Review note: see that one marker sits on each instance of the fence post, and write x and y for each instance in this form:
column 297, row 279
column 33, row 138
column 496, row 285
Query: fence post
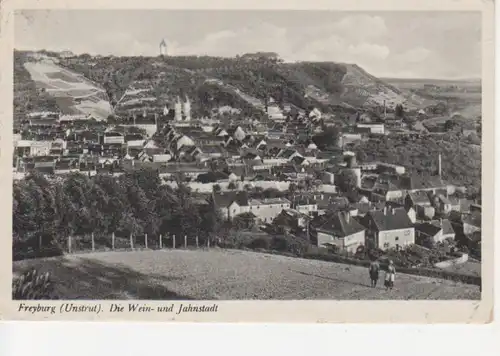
column 113, row 240
column 196, row 241
column 185, row 241
column 131, row 242
column 93, row 242
column 173, row 242
column 69, row 243
column 208, row 242
column 146, row 240
column 39, row 242
column 161, row 243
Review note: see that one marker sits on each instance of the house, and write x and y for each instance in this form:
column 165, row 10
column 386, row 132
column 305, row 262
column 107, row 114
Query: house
column 447, row 228
column 373, row 128
column 410, row 211
column 305, row 205
column 390, row 168
column 443, row 204
column 223, row 200
column 390, row 228
column 113, row 137
column 66, row 166
column 135, row 140
column 436, row 230
column 265, row 210
column 289, row 154
column 88, row 168
column 475, row 208
column 33, row 148
column 291, row 220
column 342, row 231
column 472, row 223
column 328, row 177
column 455, row 203
column 421, row 204
column 425, row 232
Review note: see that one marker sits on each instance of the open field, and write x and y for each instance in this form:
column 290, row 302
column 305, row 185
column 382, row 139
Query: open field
column 226, row 274
column 462, row 96
column 411, row 83
column 65, row 86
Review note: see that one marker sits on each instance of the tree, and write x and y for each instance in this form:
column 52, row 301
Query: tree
column 232, row 186
column 244, row 221
column 209, row 177
column 347, row 180
column 399, row 111
column 216, row 188
column 450, row 125
column 211, row 219
column 328, row 139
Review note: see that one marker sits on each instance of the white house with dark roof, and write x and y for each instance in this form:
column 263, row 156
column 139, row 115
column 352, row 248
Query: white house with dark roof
column 266, row 210
column 342, row 231
column 390, row 228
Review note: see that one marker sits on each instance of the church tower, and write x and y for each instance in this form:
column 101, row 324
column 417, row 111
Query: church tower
column 163, row 48
column 178, row 110
column 187, row 109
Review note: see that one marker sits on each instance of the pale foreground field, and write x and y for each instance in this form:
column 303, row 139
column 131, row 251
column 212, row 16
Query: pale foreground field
column 226, row 274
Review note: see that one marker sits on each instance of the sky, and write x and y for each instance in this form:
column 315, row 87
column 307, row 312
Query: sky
column 440, row 45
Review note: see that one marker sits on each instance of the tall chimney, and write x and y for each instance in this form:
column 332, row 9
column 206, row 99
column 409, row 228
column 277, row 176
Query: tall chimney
column 385, row 210
column 439, row 165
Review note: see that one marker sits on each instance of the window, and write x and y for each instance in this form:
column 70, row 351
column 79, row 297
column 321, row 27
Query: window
column 281, row 205
column 234, row 211
column 397, row 238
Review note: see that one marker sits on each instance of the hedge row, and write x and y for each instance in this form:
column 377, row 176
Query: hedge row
column 18, row 255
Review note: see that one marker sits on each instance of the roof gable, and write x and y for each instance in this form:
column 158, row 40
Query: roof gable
column 390, row 219
column 342, row 225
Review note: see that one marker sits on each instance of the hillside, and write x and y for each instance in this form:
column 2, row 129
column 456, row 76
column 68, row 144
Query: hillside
column 27, row 97
column 327, row 85
column 461, row 162
column 226, row 275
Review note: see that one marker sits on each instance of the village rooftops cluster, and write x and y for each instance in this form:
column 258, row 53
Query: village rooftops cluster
column 236, row 159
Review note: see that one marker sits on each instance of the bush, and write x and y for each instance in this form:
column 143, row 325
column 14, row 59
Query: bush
column 291, row 244
column 32, row 285
column 260, row 243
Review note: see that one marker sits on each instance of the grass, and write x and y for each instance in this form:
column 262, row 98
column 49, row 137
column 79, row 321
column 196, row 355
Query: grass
column 225, row 275
column 470, row 268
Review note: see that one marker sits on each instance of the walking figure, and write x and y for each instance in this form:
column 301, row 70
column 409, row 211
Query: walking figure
column 389, row 276
column 374, row 272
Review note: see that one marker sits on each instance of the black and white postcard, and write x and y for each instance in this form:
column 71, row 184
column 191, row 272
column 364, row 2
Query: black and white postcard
column 246, row 162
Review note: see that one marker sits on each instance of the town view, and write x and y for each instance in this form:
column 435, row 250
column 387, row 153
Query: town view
column 167, row 173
